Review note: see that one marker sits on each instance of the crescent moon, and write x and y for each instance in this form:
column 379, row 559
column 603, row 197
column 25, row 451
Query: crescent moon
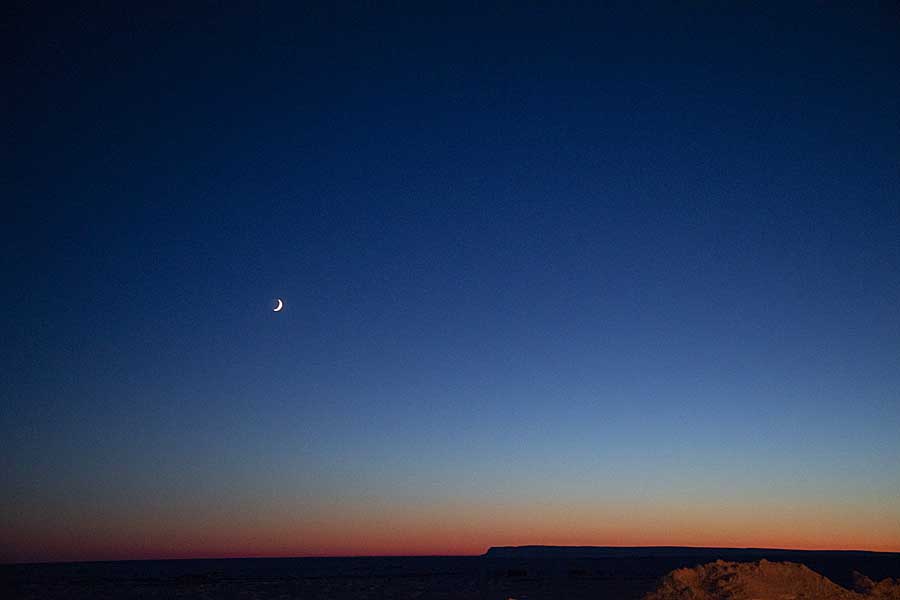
column 280, row 305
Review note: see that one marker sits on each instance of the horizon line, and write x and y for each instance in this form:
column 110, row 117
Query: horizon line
column 481, row 555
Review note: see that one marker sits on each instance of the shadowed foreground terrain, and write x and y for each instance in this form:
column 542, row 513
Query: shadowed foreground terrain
column 529, row 573
column 765, row 580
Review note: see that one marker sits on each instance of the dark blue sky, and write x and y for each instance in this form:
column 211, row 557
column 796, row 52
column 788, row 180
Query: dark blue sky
column 571, row 256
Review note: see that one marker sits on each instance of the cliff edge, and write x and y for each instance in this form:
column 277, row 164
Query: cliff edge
column 764, row 580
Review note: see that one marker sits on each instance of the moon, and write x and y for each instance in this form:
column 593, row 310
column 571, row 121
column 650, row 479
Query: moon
column 279, row 306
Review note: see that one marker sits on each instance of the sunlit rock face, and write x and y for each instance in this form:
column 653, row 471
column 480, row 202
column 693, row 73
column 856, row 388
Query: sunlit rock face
column 887, row 589
column 765, row 580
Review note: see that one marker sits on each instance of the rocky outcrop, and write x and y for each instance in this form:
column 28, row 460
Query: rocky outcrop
column 886, row 589
column 765, row 580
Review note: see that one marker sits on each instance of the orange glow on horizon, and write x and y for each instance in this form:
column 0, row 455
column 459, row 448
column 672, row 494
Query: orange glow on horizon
column 435, row 531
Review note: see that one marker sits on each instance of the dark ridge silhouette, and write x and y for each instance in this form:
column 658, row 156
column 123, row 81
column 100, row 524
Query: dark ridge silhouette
column 669, row 552
column 622, row 574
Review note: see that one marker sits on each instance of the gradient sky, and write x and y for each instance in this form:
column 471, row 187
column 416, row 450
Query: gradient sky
column 584, row 276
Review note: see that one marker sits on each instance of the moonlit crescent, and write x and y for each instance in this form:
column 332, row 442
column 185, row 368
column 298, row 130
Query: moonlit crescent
column 279, row 307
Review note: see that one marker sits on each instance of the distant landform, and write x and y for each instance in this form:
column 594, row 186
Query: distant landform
column 568, row 552
column 535, row 572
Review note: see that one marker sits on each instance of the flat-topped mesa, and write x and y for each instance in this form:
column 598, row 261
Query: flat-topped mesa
column 601, row 551
column 706, row 553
